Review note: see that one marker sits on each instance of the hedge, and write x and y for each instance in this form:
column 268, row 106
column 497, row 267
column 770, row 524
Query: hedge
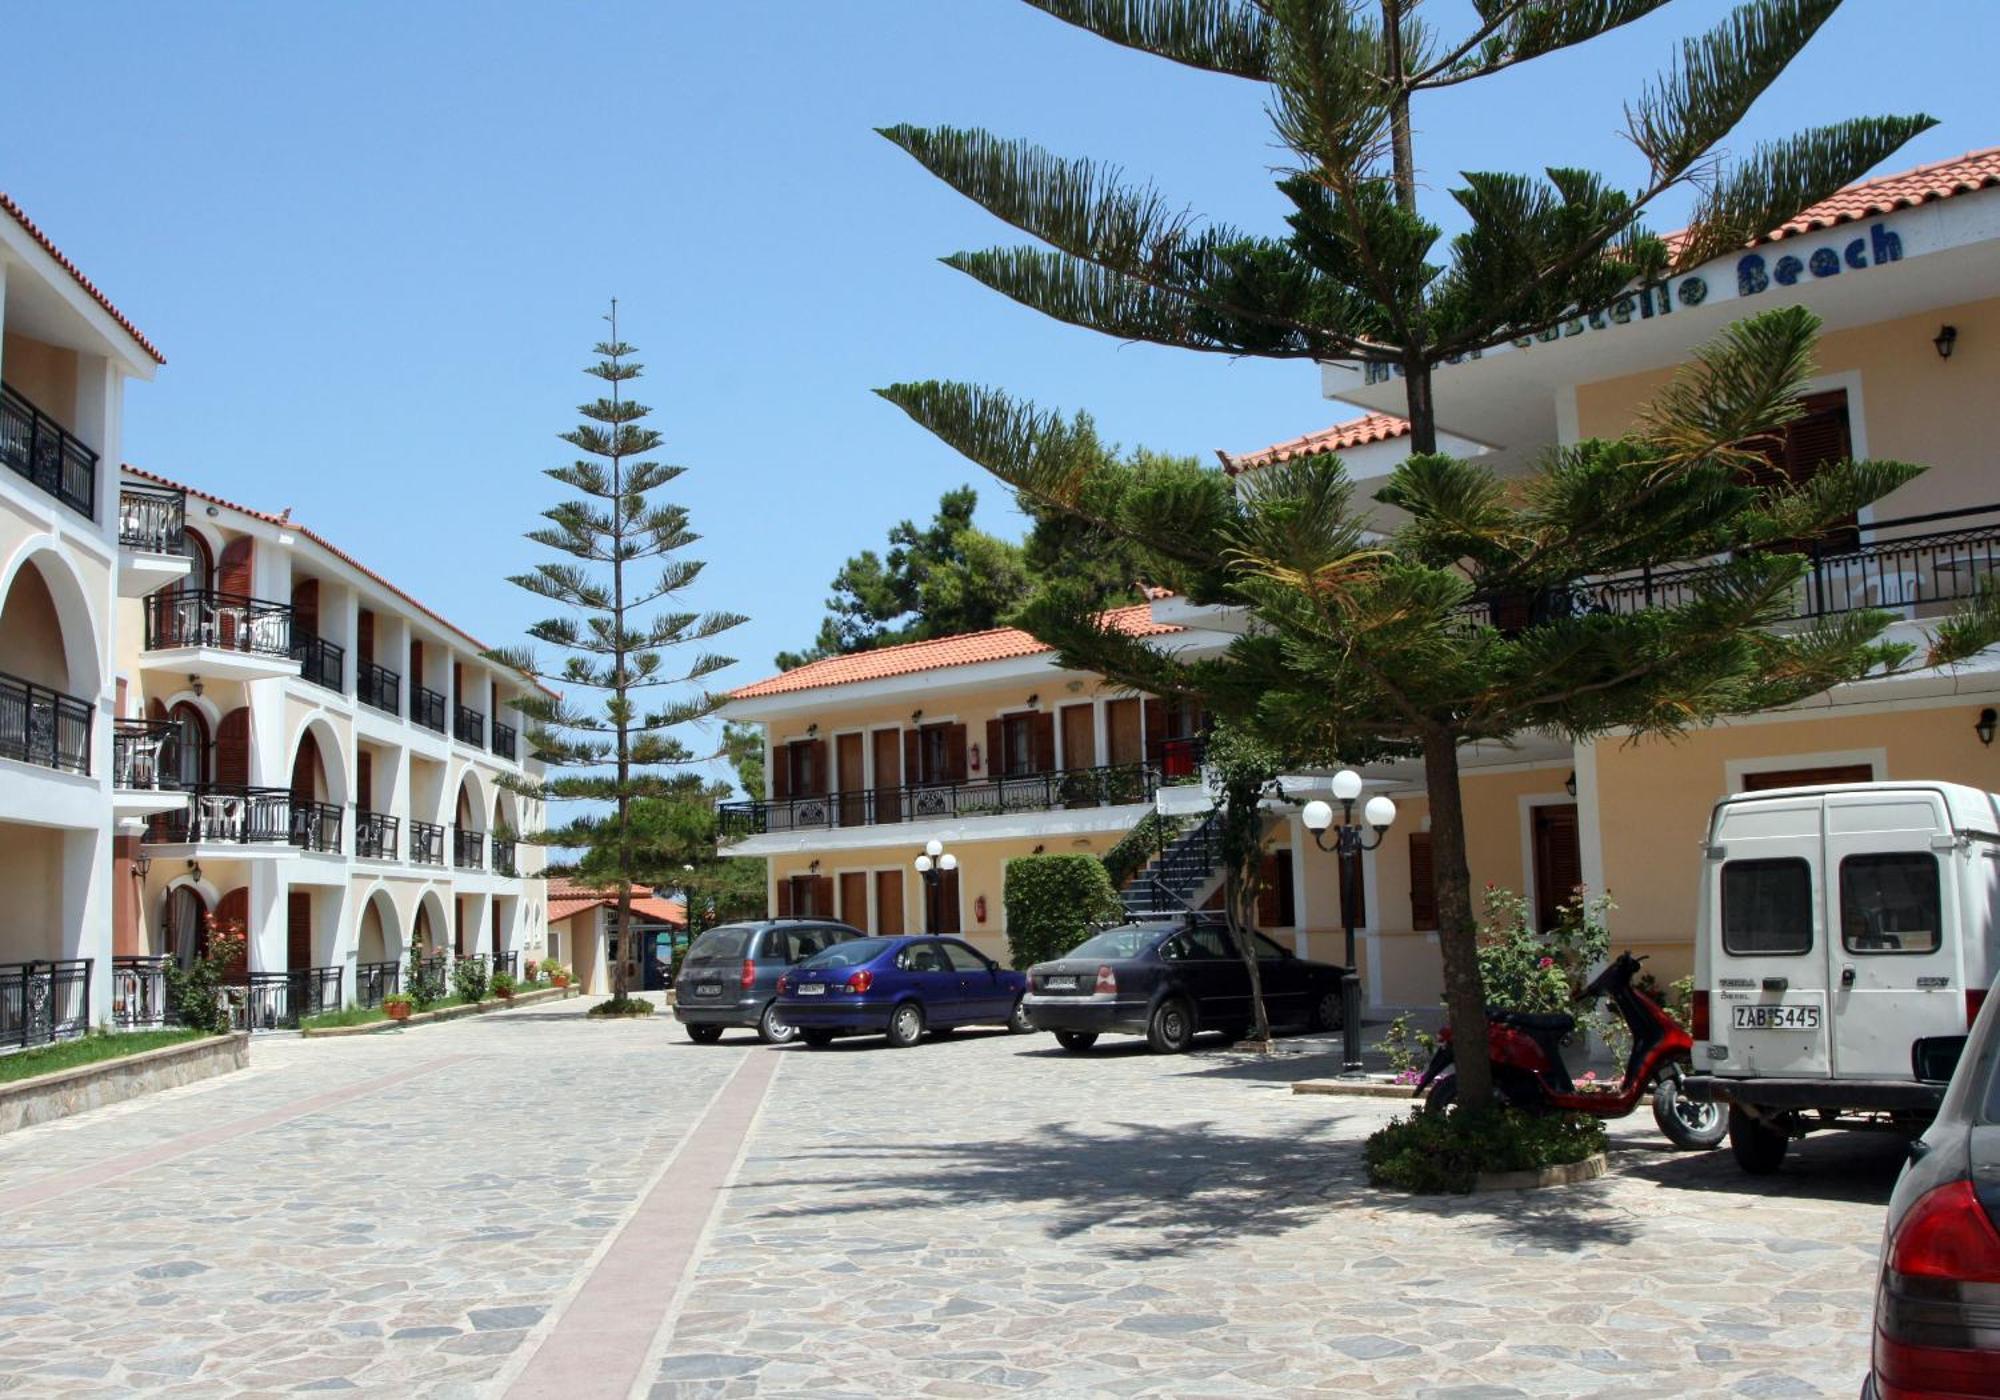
column 1140, row 845
column 1054, row 903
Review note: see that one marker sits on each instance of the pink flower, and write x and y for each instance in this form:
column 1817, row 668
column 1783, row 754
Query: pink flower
column 1590, row 1076
column 1547, row 962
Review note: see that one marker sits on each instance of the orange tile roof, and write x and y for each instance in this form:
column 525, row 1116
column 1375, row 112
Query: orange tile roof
column 939, row 653
column 1975, row 170
column 567, row 897
column 1355, row 432
column 48, row 245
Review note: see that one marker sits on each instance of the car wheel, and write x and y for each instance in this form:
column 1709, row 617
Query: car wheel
column 818, row 1040
column 1687, row 1123
column 906, row 1025
column 1327, row 1012
column 1076, row 1040
column 704, row 1035
column 1018, row 1022
column 1171, row 1027
column 774, row 1029
column 1759, row 1147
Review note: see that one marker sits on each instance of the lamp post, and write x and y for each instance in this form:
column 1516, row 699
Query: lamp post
column 1349, row 841
column 932, row 865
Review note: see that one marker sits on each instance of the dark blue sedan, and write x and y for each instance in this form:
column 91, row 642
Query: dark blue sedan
column 900, row 987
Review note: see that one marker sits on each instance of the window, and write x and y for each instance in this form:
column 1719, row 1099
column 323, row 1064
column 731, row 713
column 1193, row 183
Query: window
column 921, row 957
column 1205, row 943
column 1889, row 903
column 963, row 959
column 1267, row 951
column 934, row 754
column 1017, row 760
column 1767, row 907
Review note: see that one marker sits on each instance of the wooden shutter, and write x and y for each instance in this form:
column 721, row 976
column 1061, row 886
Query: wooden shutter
column 822, row 898
column 233, row 570
column 416, row 662
column 1156, row 729
column 364, row 636
column 305, row 608
column 947, row 902
column 996, row 748
column 232, row 747
column 888, row 903
column 156, row 709
column 1267, row 893
column 1423, row 886
column 495, row 907
column 1044, row 729
column 781, row 772
column 364, row 781
column 784, row 899
column 913, row 758
column 854, row 898
column 816, row 759
column 1558, row 861
column 1079, row 737
column 954, row 753
column 232, row 911
column 298, row 930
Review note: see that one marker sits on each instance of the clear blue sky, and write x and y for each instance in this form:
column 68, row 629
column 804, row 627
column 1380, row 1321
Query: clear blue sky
column 375, row 241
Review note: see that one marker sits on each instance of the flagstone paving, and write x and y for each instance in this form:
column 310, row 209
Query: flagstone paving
column 419, row 1214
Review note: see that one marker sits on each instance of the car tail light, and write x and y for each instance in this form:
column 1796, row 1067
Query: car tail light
column 749, row 973
column 1698, row 1013
column 1975, row 997
column 1107, row 980
column 861, row 981
column 1940, row 1297
column 784, row 985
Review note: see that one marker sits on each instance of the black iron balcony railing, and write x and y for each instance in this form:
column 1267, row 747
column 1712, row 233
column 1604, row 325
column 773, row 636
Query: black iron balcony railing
column 271, row 1001
column 468, row 849
column 426, row 843
column 470, row 726
column 503, row 857
column 509, row 963
column 376, row 835
column 427, row 708
column 435, row 970
column 1064, row 790
column 375, row 980
column 42, row 1002
column 145, row 755
column 44, row 727
column 322, row 662
column 504, row 740
column 139, row 992
column 378, row 687
column 316, row 826
column 228, row 814
column 1889, row 564
column 227, row 621
column 35, row 446
column 152, row 518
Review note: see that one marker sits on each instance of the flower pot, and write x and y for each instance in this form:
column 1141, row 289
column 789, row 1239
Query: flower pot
column 397, row 1011
column 560, row 981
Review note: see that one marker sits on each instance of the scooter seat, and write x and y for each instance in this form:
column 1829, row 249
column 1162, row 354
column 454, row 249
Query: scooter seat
column 1542, row 1023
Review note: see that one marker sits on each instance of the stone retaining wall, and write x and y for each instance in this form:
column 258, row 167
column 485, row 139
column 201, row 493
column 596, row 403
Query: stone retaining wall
column 26, row 1102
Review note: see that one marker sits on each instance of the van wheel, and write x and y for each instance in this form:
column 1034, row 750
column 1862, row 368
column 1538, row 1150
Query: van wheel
column 1759, row 1147
column 818, row 1040
column 704, row 1035
column 906, row 1025
column 774, row 1029
column 1171, row 1027
column 1076, row 1040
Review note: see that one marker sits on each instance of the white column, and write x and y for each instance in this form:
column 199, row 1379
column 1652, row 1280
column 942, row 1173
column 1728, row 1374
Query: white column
column 267, row 916
column 86, row 910
column 1589, row 828
column 1300, row 855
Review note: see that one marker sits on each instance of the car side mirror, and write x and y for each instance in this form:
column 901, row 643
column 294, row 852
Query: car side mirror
column 1934, row 1057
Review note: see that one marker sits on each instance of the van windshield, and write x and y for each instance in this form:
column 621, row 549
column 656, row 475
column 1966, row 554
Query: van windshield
column 1767, row 907
column 724, row 944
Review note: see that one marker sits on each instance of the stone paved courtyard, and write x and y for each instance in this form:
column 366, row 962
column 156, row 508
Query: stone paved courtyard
column 513, row 1205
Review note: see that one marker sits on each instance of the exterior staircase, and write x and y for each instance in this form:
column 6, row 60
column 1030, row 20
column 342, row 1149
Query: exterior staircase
column 1180, row 877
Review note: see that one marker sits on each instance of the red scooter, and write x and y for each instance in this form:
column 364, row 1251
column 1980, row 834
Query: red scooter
column 1525, row 1050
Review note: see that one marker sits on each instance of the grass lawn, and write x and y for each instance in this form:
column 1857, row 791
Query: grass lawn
column 346, row 1016
column 69, row 1054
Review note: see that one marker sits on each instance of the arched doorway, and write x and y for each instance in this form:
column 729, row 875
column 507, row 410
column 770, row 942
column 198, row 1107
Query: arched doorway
column 189, row 746
column 186, row 925
column 378, row 963
column 31, row 635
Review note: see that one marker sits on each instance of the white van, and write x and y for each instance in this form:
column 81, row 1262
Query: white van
column 1839, row 926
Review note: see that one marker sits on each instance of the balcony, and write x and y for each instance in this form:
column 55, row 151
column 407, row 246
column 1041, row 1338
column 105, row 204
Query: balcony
column 146, row 767
column 375, row 980
column 377, row 835
column 426, row 843
column 271, row 1001
column 218, row 634
column 1066, row 790
column 44, row 727
column 226, row 814
column 37, row 448
column 379, row 688
column 469, row 725
column 139, row 992
column 322, row 662
column 316, row 826
column 468, row 849
column 42, row 1002
column 427, row 708
column 152, row 537
column 504, row 742
column 503, row 857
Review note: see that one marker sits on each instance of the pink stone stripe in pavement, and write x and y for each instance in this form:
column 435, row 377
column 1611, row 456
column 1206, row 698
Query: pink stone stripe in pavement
column 48, row 1188
column 598, row 1346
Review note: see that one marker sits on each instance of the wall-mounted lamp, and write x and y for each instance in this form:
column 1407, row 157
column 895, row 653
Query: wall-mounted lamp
column 194, row 871
column 194, row 683
column 142, row 865
column 1569, row 783
column 916, row 715
column 1038, row 850
column 812, row 731
column 213, row 512
column 1035, row 699
column 814, row 867
column 1944, row 340
column 1984, row 728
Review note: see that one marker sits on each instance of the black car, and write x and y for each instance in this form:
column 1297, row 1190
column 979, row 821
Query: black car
column 730, row 975
column 1937, row 1302
column 1169, row 981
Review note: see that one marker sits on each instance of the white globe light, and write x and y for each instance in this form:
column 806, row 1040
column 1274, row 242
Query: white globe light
column 947, row 861
column 923, row 865
column 1317, row 816
column 934, row 848
column 1380, row 812
column 1347, row 785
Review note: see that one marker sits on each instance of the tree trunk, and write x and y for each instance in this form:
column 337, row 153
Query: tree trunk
column 1458, row 946
column 1238, row 901
column 1420, row 407
column 1399, row 111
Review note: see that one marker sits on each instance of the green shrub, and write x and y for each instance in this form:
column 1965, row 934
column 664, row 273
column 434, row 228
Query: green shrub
column 504, row 985
column 194, row 993
column 423, row 982
column 468, row 979
column 1140, row 845
column 1053, row 903
column 623, row 1006
column 1445, row 1152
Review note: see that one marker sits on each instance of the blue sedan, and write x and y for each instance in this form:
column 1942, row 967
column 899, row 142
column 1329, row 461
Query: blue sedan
column 900, row 987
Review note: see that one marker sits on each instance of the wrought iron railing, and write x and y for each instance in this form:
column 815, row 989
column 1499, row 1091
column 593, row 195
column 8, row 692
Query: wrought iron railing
column 426, row 843
column 145, row 755
column 375, row 980
column 271, row 1001
column 376, row 835
column 509, row 962
column 139, row 992
column 41, row 1002
column 152, row 518
column 469, row 726
column 322, row 662
column 468, row 849
column 1063, row 790
column 177, row 617
column 227, row 813
column 316, row 825
column 436, row 970
column 503, row 857
column 427, row 708
column 504, row 740
column 378, row 687
column 44, row 727
column 35, row 446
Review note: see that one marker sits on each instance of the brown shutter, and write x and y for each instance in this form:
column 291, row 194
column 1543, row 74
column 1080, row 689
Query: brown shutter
column 854, row 898
column 823, row 904
column 1156, row 730
column 1044, row 727
column 948, row 916
column 298, row 930
column 305, row 607
column 781, row 772
column 364, row 636
column 784, row 898
column 364, row 782
column 416, row 661
column 232, row 571
column 817, row 749
column 495, row 907
column 232, row 911
column 996, row 748
column 156, row 709
column 1423, row 888
column 954, row 753
column 1558, row 861
column 232, row 747
column 1267, row 893
column 913, row 758
column 889, row 903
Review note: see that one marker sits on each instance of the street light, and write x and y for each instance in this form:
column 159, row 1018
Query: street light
column 1349, row 841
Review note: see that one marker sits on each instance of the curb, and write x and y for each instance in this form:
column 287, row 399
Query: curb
column 1566, row 1174
column 449, row 1013
column 1353, row 1088
column 60, row 1093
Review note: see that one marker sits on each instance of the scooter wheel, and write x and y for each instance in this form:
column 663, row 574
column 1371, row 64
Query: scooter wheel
column 1689, row 1125
column 1442, row 1095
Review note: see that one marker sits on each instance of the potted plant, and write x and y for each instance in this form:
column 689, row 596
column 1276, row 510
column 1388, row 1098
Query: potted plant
column 528, row 970
column 503, row 985
column 557, row 974
column 396, row 1006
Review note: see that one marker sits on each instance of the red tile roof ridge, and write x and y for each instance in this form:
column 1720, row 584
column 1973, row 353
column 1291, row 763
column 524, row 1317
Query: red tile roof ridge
column 1823, row 215
column 34, row 231
column 1351, row 432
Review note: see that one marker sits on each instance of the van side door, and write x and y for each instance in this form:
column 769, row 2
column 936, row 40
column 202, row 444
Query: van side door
column 1767, row 940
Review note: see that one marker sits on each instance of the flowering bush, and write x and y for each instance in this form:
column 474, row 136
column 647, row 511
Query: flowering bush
column 1540, row 971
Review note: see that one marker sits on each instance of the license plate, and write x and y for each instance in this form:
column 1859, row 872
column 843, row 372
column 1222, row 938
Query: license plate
column 812, row 989
column 1775, row 1018
column 1059, row 984
column 708, row 989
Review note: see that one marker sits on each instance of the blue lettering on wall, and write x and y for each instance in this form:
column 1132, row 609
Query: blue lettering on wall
column 1787, row 271
column 1857, row 253
column 1881, row 246
column 1888, row 246
column 1693, row 291
column 1824, row 263
column 1751, row 278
